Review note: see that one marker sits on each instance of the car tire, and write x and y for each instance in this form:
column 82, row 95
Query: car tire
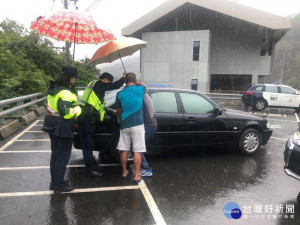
column 260, row 105
column 250, row 141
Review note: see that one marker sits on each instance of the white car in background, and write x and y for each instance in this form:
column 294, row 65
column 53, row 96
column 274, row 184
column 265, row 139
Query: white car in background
column 260, row 96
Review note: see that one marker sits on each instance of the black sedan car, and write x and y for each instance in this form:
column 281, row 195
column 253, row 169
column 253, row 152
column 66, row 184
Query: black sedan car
column 187, row 120
column 292, row 157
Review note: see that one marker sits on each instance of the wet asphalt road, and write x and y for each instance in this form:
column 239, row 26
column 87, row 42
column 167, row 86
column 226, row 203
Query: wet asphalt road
column 187, row 187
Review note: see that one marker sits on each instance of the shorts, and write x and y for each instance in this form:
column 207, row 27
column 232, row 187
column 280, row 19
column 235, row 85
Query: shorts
column 134, row 135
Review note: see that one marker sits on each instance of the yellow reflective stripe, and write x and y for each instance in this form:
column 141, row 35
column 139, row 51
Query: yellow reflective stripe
column 94, row 101
column 66, row 95
column 70, row 115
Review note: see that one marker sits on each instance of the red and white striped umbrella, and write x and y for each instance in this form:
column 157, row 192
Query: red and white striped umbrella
column 71, row 26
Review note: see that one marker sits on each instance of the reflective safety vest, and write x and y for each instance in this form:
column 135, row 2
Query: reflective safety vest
column 90, row 97
column 64, row 95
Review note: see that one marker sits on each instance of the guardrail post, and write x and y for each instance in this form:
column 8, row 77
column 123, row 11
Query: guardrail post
column 21, row 111
column 2, row 119
column 35, row 106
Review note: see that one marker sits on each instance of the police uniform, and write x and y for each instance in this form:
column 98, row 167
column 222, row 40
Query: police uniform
column 93, row 111
column 62, row 109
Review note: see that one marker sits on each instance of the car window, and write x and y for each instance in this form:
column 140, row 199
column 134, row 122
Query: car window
column 193, row 103
column 110, row 97
column 272, row 89
column 287, row 90
column 164, row 102
column 256, row 88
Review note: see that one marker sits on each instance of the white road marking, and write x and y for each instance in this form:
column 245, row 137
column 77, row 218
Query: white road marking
column 28, row 140
column 283, row 120
column 285, row 139
column 151, row 204
column 48, row 167
column 274, row 126
column 297, row 117
column 16, row 137
column 35, row 131
column 83, row 190
column 32, row 151
column 270, row 114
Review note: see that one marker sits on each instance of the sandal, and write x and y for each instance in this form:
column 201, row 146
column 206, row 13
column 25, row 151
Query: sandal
column 127, row 175
column 137, row 181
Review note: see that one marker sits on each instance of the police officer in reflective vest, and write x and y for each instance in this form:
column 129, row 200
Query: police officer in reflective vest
column 62, row 110
column 93, row 111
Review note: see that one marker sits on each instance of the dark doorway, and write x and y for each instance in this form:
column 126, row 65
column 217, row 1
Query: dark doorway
column 229, row 83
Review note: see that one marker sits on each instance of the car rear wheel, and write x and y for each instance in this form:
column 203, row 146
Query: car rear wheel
column 250, row 141
column 260, row 104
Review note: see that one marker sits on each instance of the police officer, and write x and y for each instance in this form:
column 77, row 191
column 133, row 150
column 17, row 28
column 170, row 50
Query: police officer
column 93, row 111
column 62, row 110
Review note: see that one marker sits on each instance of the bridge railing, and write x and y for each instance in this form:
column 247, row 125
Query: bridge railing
column 224, row 96
column 17, row 105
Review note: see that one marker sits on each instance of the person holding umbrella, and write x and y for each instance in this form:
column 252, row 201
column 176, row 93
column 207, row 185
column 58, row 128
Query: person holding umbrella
column 93, row 111
column 62, row 110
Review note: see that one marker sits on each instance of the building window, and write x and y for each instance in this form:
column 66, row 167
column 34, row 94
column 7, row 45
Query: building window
column 196, row 50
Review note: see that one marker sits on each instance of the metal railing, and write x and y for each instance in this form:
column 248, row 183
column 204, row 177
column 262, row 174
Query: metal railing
column 223, row 96
column 20, row 107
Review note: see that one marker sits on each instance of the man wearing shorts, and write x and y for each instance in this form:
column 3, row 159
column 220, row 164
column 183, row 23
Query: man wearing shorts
column 129, row 102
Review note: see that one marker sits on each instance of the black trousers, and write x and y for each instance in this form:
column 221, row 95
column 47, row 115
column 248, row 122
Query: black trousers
column 87, row 128
column 60, row 156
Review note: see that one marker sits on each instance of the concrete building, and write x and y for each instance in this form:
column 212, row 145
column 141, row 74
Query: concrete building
column 207, row 44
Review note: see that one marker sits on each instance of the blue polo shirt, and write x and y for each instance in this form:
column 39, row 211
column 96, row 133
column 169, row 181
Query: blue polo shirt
column 130, row 100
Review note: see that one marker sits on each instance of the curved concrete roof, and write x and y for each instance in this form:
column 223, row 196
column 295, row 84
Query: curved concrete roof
column 226, row 7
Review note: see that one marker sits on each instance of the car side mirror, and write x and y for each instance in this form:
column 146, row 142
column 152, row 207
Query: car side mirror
column 297, row 93
column 217, row 111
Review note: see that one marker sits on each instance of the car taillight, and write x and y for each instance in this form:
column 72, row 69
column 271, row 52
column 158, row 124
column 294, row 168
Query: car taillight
column 247, row 92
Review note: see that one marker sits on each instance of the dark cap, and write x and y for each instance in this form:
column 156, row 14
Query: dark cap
column 107, row 75
column 70, row 71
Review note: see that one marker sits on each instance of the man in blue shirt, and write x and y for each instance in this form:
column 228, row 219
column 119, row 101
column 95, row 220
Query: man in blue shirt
column 130, row 102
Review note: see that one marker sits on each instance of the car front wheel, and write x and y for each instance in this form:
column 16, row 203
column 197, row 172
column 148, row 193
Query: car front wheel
column 250, row 141
column 260, row 105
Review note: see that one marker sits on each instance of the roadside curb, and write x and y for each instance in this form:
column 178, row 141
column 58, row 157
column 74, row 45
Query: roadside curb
column 39, row 111
column 18, row 122
column 10, row 128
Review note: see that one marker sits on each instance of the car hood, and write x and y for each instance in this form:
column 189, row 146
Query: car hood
column 232, row 113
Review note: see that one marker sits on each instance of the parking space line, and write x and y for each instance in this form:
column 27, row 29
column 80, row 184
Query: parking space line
column 151, row 204
column 269, row 114
column 292, row 121
column 32, row 151
column 48, row 167
column 285, row 139
column 35, row 131
column 297, row 117
column 16, row 137
column 20, row 140
column 82, row 190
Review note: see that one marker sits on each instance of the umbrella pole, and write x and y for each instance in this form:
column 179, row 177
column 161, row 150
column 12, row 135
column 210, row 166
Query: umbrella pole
column 121, row 61
column 74, row 43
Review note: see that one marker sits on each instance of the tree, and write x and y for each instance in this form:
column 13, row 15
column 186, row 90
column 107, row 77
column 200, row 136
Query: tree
column 29, row 61
column 287, row 54
column 87, row 72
